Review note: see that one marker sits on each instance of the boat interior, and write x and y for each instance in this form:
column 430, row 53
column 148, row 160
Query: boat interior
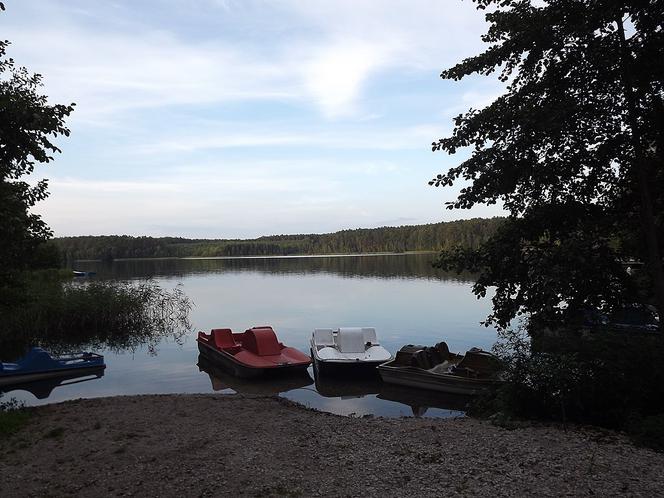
column 257, row 347
column 439, row 360
column 261, row 341
column 349, row 343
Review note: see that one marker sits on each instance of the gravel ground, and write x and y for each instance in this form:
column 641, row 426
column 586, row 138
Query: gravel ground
column 207, row 445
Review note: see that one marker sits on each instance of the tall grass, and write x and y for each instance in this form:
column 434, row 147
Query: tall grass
column 116, row 315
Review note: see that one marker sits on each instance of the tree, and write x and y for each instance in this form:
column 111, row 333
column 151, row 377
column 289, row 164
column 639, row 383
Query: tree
column 28, row 127
column 574, row 150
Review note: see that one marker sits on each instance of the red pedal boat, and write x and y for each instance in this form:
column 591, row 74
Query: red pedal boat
column 253, row 353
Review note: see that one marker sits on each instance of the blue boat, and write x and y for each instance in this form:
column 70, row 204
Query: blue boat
column 78, row 273
column 38, row 365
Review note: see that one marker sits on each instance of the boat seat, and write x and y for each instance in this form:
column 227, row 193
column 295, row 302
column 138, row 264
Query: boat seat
column 223, row 338
column 370, row 338
column 479, row 362
column 323, row 337
column 422, row 359
column 444, row 350
column 435, row 357
column 404, row 356
column 351, row 340
column 261, row 341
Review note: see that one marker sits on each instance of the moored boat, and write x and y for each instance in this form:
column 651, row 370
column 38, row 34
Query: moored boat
column 253, row 353
column 39, row 365
column 347, row 349
column 435, row 368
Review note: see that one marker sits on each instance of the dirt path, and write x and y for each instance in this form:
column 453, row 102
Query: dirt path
column 208, row 445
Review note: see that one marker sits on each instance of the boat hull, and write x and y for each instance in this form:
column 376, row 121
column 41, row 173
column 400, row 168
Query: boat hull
column 345, row 368
column 423, row 379
column 227, row 362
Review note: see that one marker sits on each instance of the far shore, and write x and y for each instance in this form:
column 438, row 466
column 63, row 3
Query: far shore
column 286, row 256
column 211, row 445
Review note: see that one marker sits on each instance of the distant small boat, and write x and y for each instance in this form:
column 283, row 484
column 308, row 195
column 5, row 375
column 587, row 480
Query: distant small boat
column 38, row 365
column 253, row 353
column 435, row 368
column 346, row 349
column 78, row 273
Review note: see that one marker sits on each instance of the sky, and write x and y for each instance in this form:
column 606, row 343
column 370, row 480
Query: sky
column 241, row 118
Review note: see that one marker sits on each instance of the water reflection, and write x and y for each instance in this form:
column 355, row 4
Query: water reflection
column 368, row 395
column 226, row 383
column 405, row 299
column 388, row 266
column 346, row 387
column 42, row 389
column 421, row 400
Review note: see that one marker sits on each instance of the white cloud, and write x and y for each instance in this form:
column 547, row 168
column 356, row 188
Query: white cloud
column 101, row 186
column 417, row 137
column 237, row 118
column 107, row 71
column 336, row 74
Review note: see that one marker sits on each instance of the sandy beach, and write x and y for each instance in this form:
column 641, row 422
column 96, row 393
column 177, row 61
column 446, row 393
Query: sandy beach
column 211, row 445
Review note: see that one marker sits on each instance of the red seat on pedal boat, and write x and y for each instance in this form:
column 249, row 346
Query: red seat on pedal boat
column 256, row 349
column 223, row 338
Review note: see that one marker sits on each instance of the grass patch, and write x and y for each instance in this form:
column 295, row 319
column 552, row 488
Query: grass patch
column 13, row 416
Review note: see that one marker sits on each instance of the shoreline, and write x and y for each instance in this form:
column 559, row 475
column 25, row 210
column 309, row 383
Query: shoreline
column 212, row 445
column 274, row 256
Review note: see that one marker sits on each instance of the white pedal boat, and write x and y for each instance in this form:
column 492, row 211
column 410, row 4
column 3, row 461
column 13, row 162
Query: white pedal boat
column 347, row 349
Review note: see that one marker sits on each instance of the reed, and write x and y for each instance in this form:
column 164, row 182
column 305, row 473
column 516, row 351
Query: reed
column 64, row 315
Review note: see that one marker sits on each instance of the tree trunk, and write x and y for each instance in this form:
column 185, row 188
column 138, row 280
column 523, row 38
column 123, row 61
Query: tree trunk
column 648, row 225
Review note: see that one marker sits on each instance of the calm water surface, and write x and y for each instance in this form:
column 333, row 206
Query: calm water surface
column 405, row 299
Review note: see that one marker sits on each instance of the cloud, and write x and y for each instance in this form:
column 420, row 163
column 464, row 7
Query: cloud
column 107, row 74
column 100, row 186
column 238, row 118
column 335, row 75
column 117, row 66
column 418, row 137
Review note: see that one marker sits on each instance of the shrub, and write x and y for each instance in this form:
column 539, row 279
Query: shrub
column 600, row 377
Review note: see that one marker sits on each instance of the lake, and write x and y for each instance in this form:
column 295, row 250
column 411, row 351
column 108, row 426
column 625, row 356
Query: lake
column 401, row 295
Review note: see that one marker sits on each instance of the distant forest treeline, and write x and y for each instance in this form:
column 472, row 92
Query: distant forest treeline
column 433, row 237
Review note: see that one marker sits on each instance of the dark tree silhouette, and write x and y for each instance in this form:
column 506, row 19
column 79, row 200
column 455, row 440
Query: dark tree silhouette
column 573, row 150
column 28, row 126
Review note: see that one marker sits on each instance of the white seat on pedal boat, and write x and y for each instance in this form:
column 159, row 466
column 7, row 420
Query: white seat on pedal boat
column 351, row 340
column 369, row 334
column 323, row 337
